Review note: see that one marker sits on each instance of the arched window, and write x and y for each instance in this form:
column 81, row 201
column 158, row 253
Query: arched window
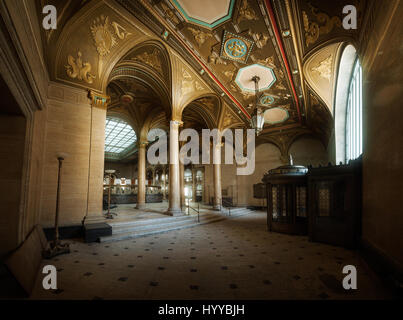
column 348, row 107
column 119, row 137
column 354, row 115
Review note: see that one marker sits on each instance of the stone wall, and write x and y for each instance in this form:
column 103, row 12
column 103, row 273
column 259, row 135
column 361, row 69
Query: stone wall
column 73, row 127
column 12, row 145
column 382, row 221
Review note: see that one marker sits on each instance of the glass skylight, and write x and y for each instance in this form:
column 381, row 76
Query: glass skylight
column 119, row 136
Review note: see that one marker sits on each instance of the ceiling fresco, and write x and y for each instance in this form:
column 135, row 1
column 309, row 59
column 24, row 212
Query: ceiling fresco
column 235, row 48
column 160, row 59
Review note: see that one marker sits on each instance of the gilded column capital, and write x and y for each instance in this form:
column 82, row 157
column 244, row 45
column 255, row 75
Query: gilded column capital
column 177, row 123
column 98, row 100
column 142, row 144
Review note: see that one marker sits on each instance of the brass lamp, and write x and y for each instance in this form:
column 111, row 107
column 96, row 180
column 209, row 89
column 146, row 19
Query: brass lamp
column 257, row 120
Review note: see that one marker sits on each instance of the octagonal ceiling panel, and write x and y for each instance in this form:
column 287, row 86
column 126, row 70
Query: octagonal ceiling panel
column 276, row 115
column 206, row 13
column 245, row 75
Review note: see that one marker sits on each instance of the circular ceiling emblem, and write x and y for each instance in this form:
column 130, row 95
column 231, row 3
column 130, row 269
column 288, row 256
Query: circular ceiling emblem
column 235, row 48
column 266, row 100
column 126, row 98
column 276, row 115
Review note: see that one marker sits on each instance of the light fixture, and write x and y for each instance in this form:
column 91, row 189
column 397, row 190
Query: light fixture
column 257, row 120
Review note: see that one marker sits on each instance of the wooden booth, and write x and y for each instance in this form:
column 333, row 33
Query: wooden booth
column 335, row 204
column 286, row 189
column 324, row 202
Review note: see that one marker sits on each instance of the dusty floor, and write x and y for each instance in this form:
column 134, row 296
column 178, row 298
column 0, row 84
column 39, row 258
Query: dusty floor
column 231, row 259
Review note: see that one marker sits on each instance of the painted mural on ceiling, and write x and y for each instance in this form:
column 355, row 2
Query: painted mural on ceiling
column 235, row 40
column 289, row 44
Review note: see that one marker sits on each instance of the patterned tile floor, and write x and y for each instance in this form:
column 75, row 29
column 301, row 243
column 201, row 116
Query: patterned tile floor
column 230, row 259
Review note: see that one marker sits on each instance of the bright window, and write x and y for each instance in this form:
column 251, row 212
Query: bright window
column 119, row 136
column 354, row 115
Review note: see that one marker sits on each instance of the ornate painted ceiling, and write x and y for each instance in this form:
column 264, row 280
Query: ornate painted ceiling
column 158, row 56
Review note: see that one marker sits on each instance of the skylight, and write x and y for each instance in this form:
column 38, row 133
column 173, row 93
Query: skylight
column 119, row 136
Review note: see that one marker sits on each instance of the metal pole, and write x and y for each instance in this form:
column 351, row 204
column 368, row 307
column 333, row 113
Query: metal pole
column 55, row 248
column 58, row 201
column 109, row 196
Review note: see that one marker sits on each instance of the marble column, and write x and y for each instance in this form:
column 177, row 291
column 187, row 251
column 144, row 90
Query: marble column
column 164, row 183
column 217, row 176
column 193, row 185
column 96, row 152
column 182, row 184
column 174, row 208
column 153, row 172
column 141, row 187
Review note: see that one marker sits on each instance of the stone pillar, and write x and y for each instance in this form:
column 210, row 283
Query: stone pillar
column 174, row 208
column 164, row 183
column 96, row 157
column 182, row 184
column 153, row 172
column 217, row 176
column 141, row 187
column 194, row 185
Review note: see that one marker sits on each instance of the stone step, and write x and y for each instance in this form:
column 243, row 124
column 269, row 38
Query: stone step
column 121, row 233
column 131, row 222
column 161, row 223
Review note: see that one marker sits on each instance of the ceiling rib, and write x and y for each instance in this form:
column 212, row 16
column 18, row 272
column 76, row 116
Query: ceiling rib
column 173, row 32
column 280, row 44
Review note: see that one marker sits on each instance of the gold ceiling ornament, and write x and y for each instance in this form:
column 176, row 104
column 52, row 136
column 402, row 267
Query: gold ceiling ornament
column 280, row 73
column 229, row 118
column 120, row 31
column 235, row 47
column 152, row 59
column 286, row 106
column 189, row 85
column 247, row 95
column 269, row 62
column 324, row 68
column 234, row 87
column 102, row 35
column 208, row 103
column 214, row 58
column 76, row 68
column 323, row 25
column 229, row 74
column 170, row 13
column 280, row 86
column 199, row 35
column 259, row 38
column 246, row 12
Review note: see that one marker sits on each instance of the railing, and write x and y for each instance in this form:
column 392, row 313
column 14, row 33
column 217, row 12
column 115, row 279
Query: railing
column 196, row 210
column 226, row 205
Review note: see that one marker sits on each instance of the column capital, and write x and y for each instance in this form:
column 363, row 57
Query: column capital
column 177, row 123
column 142, row 144
column 98, row 100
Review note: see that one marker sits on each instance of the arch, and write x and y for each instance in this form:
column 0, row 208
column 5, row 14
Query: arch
column 344, row 71
column 308, row 150
column 200, row 107
column 145, row 76
column 77, row 35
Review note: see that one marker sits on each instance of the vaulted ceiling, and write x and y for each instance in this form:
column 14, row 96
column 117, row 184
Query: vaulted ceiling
column 292, row 45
